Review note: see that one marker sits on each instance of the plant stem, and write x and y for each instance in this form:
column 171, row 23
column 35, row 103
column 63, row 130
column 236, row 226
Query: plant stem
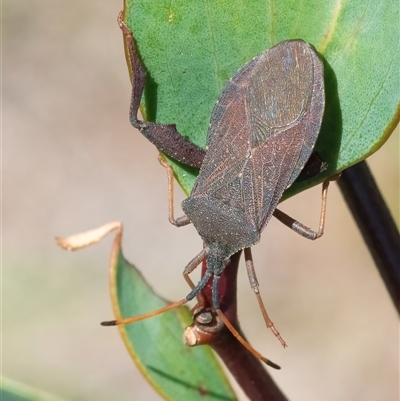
column 375, row 224
column 249, row 372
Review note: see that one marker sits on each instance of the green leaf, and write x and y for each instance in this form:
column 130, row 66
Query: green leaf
column 175, row 371
column 14, row 391
column 191, row 48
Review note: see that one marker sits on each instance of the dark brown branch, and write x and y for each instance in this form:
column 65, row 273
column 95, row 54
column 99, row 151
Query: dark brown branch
column 248, row 371
column 375, row 224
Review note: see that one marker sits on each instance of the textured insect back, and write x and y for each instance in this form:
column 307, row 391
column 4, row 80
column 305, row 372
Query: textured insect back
column 262, row 132
column 217, row 192
column 286, row 84
column 280, row 90
column 229, row 132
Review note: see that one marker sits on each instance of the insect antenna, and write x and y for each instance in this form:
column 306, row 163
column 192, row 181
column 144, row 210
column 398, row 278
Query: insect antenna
column 174, row 305
column 135, row 319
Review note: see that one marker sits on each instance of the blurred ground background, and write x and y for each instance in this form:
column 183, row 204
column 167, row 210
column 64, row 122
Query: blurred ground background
column 71, row 161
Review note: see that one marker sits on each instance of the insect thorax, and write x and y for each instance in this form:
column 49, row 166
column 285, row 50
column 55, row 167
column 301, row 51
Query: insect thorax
column 223, row 228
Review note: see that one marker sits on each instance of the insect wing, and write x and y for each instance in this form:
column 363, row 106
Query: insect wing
column 263, row 130
column 228, row 140
column 286, row 104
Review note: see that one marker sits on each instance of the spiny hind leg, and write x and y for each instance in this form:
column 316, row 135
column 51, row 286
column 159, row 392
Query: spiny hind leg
column 164, row 136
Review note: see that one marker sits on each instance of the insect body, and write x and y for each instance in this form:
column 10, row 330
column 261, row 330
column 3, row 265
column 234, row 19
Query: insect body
column 262, row 132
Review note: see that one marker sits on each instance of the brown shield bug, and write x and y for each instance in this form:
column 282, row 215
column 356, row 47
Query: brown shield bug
column 261, row 134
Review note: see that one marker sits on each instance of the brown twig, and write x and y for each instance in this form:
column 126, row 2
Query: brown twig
column 249, row 372
column 375, row 224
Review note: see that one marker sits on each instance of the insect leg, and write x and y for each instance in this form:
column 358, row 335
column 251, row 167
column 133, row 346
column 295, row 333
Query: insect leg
column 180, row 221
column 251, row 273
column 196, row 289
column 188, row 336
column 192, row 265
column 164, row 136
column 301, row 229
column 242, row 341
